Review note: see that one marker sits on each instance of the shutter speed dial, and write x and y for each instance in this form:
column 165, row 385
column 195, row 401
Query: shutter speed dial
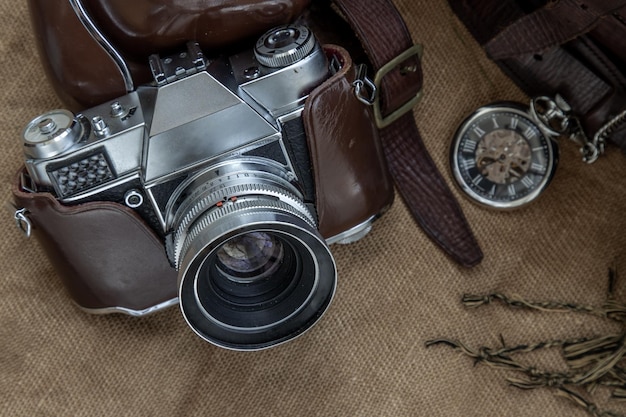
column 284, row 46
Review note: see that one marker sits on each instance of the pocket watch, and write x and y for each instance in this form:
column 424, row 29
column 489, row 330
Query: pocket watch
column 505, row 154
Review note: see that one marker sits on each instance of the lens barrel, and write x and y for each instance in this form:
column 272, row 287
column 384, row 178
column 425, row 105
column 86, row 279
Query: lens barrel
column 253, row 270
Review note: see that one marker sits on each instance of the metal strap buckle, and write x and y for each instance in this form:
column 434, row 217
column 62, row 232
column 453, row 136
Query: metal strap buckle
column 384, row 121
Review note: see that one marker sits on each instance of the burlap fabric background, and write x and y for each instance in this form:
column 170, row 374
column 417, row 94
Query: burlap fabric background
column 396, row 289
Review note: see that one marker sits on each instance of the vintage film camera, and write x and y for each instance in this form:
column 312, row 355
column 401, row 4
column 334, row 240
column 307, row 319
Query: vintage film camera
column 215, row 162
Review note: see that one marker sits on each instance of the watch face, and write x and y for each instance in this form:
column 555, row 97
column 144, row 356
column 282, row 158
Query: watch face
column 500, row 158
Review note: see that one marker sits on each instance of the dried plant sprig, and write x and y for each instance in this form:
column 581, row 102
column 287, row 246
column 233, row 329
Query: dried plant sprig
column 603, row 373
column 605, row 364
column 614, row 311
column 584, row 403
column 591, row 362
column 587, row 352
column 535, row 377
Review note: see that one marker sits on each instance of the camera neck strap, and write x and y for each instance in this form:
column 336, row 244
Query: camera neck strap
column 398, row 80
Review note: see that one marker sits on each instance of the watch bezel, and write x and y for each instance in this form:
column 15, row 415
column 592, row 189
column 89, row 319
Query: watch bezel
column 501, row 107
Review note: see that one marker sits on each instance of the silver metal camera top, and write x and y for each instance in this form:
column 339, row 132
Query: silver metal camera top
column 284, row 46
column 51, row 134
column 285, row 56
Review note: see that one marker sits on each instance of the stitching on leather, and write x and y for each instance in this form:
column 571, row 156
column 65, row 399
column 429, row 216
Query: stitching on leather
column 613, row 73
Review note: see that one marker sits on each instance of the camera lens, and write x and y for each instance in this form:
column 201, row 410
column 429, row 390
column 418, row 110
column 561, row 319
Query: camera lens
column 253, row 298
column 253, row 270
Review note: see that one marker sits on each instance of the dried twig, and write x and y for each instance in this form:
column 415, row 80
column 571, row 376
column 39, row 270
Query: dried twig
column 591, row 362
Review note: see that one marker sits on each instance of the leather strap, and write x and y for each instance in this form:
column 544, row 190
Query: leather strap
column 384, row 36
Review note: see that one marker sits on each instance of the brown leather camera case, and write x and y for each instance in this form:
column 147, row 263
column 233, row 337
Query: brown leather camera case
column 84, row 75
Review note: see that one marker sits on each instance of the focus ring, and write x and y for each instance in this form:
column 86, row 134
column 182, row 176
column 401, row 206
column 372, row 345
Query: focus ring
column 184, row 240
column 202, row 204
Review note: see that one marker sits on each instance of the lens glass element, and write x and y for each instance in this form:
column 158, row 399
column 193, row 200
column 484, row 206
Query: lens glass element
column 253, row 271
column 250, row 257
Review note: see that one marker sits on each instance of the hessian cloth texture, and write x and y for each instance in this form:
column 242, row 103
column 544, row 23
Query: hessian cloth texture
column 396, row 289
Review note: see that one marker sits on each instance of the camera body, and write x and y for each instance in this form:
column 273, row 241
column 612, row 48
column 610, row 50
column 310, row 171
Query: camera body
column 145, row 148
column 217, row 161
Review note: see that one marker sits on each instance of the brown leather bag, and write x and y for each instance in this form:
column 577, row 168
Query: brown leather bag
column 570, row 47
